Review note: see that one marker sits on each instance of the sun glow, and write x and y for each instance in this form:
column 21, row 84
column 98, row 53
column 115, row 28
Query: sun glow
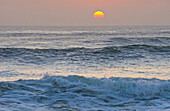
column 98, row 14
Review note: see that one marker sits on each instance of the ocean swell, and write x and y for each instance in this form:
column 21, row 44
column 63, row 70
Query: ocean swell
column 109, row 49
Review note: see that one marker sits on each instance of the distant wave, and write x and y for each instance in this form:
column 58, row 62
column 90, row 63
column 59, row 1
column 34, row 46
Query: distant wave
column 109, row 49
column 81, row 93
column 150, row 48
column 43, row 56
column 75, row 33
column 59, row 33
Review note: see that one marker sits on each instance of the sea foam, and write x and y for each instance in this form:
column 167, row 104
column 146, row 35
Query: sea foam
column 81, row 93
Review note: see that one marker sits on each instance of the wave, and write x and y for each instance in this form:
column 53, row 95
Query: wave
column 59, row 33
column 81, row 93
column 41, row 56
column 76, row 33
column 109, row 49
column 150, row 48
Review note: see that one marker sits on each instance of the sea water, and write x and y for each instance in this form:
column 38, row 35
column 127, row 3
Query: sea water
column 82, row 68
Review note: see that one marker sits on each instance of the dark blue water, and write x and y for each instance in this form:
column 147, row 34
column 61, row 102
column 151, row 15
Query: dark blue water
column 113, row 68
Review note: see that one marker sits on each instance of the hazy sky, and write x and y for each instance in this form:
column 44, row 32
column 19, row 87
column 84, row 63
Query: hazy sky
column 80, row 12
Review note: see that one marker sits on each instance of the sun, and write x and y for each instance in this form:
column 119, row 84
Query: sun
column 98, row 14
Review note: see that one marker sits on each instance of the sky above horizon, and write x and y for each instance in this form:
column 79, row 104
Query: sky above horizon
column 80, row 12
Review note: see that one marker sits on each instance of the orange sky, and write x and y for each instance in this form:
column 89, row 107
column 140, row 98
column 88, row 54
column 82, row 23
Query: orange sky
column 80, row 12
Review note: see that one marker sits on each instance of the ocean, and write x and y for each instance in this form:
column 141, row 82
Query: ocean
column 85, row 68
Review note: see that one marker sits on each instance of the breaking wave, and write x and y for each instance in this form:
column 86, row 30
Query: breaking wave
column 81, row 93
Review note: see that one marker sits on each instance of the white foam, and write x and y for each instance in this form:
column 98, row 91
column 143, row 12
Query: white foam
column 81, row 93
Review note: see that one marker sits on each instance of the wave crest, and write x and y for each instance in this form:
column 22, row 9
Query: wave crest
column 71, row 92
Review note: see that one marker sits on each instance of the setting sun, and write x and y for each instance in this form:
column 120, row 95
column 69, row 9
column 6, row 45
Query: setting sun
column 98, row 14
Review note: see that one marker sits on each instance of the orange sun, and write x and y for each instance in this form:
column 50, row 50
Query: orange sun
column 98, row 14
